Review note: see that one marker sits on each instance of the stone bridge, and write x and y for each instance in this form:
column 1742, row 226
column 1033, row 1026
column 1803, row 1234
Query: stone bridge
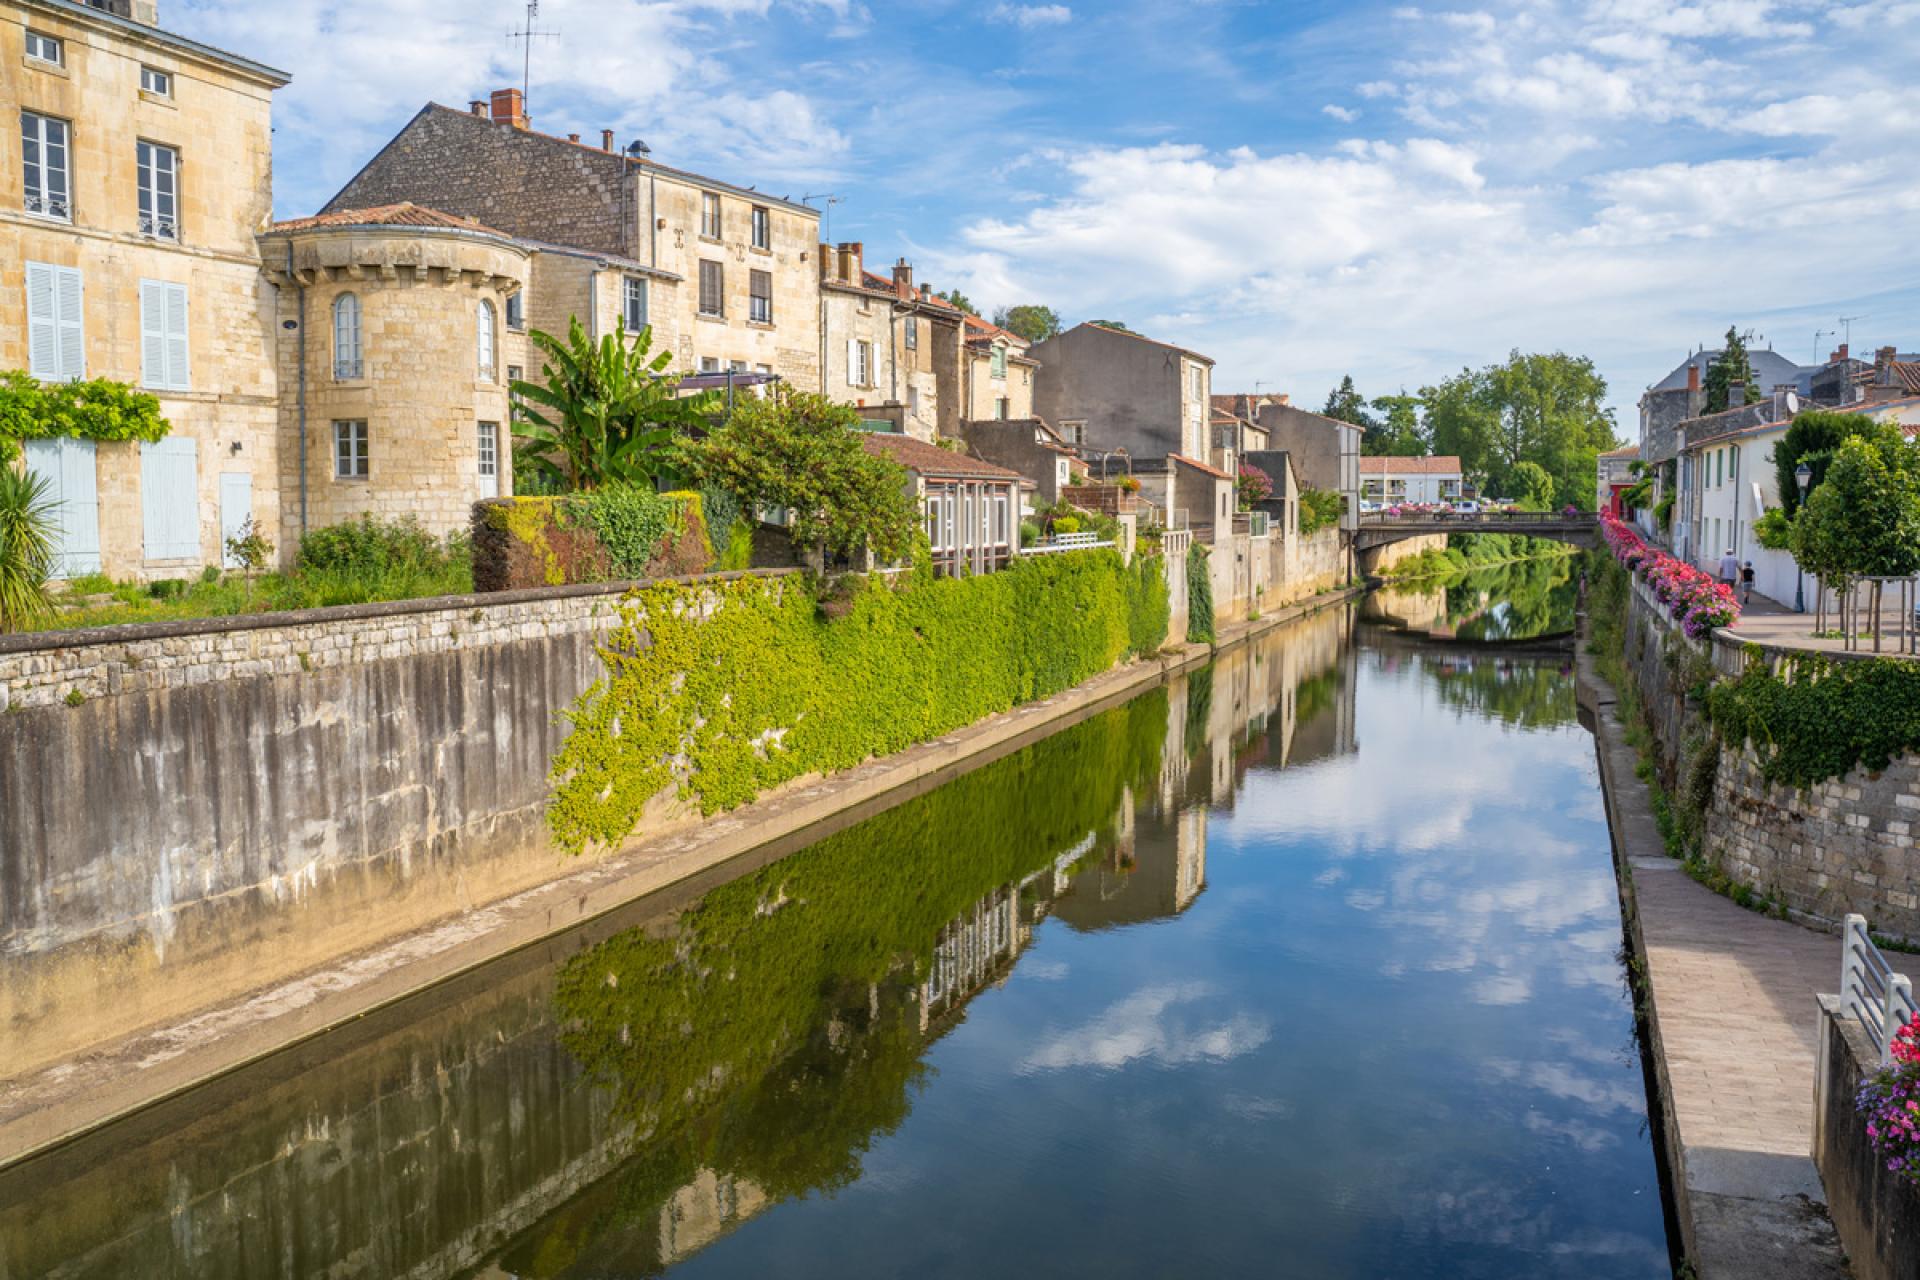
column 1378, row 530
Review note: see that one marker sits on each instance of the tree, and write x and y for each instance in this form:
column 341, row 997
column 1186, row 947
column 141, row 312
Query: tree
column 1346, row 404
column 1115, row 325
column 959, row 300
column 803, row 452
column 1729, row 367
column 1814, row 438
column 1864, row 521
column 1532, row 486
column 1399, row 432
column 1545, row 408
column 1031, row 321
column 26, row 548
column 612, row 412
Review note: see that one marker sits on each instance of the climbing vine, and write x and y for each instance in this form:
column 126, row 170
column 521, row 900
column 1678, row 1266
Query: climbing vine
column 1821, row 718
column 92, row 409
column 717, row 691
column 1199, row 595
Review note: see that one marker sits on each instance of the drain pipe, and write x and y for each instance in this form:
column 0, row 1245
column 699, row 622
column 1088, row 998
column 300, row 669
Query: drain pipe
column 300, row 330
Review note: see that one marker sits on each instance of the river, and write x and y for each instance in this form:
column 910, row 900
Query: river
column 1306, row 964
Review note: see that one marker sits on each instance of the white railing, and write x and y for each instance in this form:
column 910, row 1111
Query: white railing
column 1870, row 990
column 1067, row 542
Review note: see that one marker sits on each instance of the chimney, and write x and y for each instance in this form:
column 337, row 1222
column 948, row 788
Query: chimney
column 1693, row 377
column 478, row 107
column 1736, row 395
column 1884, row 357
column 1786, row 401
column 1841, row 354
column 606, row 140
column 903, row 280
column 573, row 137
column 508, row 108
column 851, row 268
column 926, row 289
column 1283, row 399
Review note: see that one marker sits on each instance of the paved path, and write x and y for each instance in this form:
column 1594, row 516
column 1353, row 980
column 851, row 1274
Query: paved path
column 1769, row 622
column 1731, row 995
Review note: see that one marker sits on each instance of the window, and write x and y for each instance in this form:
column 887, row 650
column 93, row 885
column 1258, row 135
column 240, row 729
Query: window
column 1002, row 526
column 159, row 169
column 933, row 522
column 483, row 339
column 762, row 228
column 157, row 82
column 1199, row 384
column 709, row 215
column 1001, row 407
column 760, row 297
column 516, row 311
column 913, row 401
column 346, row 338
column 737, row 366
column 1073, row 431
column 709, row 364
column 713, row 292
column 859, row 363
column 163, row 335
column 487, row 455
column 911, row 334
column 45, row 49
column 43, row 159
column 170, row 499
column 999, row 360
column 350, row 450
column 633, row 303
column 514, row 374
column 56, row 341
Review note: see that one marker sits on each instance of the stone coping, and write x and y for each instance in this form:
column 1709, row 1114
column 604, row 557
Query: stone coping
column 129, row 632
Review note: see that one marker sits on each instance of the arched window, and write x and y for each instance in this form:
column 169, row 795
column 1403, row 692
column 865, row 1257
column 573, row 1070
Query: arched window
column 346, row 337
column 483, row 334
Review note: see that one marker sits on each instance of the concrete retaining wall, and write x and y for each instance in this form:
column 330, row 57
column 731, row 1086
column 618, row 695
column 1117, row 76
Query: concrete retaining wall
column 1304, row 566
column 1876, row 1213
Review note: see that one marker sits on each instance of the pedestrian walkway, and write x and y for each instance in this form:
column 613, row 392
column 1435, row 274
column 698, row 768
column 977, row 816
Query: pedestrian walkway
column 1765, row 621
column 1731, row 1006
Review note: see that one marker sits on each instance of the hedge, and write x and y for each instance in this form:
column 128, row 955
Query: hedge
column 720, row 690
column 604, row 536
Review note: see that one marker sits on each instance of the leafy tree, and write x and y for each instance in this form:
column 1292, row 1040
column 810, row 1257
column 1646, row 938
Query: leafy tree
column 1533, row 487
column 1729, row 367
column 1031, row 321
column 605, row 413
column 803, row 452
column 1545, row 408
column 1347, row 404
column 1813, row 438
column 1320, row 508
column 959, row 300
column 1113, row 324
column 1398, row 433
column 26, row 548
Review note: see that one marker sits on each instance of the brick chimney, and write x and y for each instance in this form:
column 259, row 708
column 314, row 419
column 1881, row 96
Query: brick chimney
column 1884, row 357
column 1693, row 377
column 606, row 140
column 852, row 270
column 508, row 108
column 573, row 137
column 903, row 280
column 478, row 107
column 1840, row 352
column 926, row 290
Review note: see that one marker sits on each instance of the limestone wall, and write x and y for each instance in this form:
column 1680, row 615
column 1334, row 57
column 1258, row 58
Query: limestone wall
column 1303, row 566
column 1381, row 560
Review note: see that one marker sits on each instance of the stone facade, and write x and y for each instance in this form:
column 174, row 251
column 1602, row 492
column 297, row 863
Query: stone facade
column 214, row 116
column 417, row 379
column 1127, row 392
column 997, row 374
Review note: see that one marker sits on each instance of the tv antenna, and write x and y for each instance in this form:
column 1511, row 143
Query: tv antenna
column 1819, row 334
column 825, row 213
column 526, row 36
column 1846, row 323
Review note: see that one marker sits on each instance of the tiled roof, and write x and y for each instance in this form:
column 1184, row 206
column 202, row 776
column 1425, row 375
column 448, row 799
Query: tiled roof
column 982, row 331
column 1906, row 374
column 404, row 214
column 1445, row 464
column 1626, row 451
column 930, row 459
column 1184, row 460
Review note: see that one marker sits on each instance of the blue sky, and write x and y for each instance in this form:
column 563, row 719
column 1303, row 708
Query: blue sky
column 1299, row 190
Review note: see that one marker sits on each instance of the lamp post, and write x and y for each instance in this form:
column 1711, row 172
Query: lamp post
column 1802, row 476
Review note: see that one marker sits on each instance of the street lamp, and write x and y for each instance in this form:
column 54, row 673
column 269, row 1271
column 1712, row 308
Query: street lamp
column 1802, row 476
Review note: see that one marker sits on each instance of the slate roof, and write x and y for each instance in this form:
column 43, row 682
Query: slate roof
column 1446, row 464
column 1770, row 369
column 931, row 460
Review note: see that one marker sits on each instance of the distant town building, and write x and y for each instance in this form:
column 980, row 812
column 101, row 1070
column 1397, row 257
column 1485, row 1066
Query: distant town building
column 1615, row 477
column 1411, row 480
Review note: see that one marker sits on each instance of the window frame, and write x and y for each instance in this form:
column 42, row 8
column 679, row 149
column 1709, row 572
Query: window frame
column 486, row 449
column 58, row 45
column 911, row 334
column 344, row 370
column 486, row 341
column 516, row 309
column 357, row 456
column 151, row 74
column 756, row 313
column 719, row 309
column 710, row 216
column 632, row 288
column 997, row 362
column 762, row 227
column 44, row 204
column 147, row 169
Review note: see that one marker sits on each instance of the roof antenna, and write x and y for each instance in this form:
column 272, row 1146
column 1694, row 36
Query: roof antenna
column 527, row 35
column 1817, row 335
column 825, row 213
column 1846, row 323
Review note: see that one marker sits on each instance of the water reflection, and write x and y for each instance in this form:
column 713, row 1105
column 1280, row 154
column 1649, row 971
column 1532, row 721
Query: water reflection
column 1193, row 985
column 1524, row 600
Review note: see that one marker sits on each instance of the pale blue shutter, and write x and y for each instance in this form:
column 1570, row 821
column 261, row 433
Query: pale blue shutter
column 43, row 335
column 68, row 299
column 179, row 377
column 66, row 465
column 153, row 334
column 170, row 499
column 236, row 508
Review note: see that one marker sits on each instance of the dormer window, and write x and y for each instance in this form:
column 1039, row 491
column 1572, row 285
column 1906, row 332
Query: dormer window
column 47, row 49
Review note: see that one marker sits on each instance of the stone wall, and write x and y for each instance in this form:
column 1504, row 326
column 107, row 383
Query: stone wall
column 192, row 810
column 1875, row 1212
column 1844, row 845
column 1304, row 566
column 1381, row 560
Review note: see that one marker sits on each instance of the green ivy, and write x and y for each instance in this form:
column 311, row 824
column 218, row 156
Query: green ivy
column 1199, row 596
column 717, row 691
column 632, row 523
column 1822, row 718
column 94, row 409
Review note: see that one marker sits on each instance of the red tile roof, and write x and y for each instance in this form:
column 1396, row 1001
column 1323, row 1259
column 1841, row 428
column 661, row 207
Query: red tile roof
column 932, row 460
column 404, row 214
column 1906, row 374
column 1445, row 464
column 1626, row 451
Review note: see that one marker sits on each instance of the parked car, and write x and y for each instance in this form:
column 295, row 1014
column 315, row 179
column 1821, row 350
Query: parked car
column 1466, row 507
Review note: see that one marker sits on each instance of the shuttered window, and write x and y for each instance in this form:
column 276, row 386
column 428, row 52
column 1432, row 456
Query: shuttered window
column 760, row 297
column 170, row 499
column 713, row 291
column 163, row 336
column 859, row 363
column 998, row 366
column 762, row 227
column 56, row 341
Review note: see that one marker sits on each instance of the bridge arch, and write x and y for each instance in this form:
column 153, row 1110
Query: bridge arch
column 1378, row 531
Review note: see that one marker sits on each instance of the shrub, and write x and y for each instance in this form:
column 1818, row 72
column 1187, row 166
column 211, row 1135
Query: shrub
column 1199, row 595
column 90, row 409
column 1320, row 509
column 1066, row 524
column 26, row 548
column 368, row 546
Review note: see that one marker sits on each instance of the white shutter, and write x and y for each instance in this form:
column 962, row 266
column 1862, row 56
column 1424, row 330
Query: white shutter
column 68, row 299
column 179, row 377
column 43, row 342
column 170, row 499
column 153, row 334
column 853, row 362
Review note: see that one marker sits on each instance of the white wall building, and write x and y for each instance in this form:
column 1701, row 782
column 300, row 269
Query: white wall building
column 1410, row 480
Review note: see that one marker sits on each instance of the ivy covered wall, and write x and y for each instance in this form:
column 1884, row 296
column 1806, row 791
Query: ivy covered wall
column 717, row 691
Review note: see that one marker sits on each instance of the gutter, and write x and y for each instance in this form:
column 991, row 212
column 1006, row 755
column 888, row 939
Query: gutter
column 300, row 398
column 140, row 30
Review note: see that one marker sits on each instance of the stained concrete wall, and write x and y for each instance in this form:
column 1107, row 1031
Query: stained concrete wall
column 1875, row 1212
column 1382, row 559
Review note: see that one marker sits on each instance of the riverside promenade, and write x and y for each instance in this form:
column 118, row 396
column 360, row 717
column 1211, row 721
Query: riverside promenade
column 1729, row 998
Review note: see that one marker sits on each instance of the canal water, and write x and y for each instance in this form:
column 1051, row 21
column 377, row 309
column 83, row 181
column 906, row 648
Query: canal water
column 1305, row 965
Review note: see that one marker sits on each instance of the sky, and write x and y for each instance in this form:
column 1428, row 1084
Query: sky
column 1300, row 191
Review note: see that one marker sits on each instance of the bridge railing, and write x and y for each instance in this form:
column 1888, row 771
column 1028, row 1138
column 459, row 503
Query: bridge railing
column 1495, row 518
column 1870, row 990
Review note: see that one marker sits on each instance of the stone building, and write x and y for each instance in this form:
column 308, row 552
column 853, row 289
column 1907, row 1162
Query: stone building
column 1325, row 452
column 1111, row 390
column 724, row 274
column 143, row 171
column 996, row 372
column 394, row 351
column 886, row 348
column 971, row 508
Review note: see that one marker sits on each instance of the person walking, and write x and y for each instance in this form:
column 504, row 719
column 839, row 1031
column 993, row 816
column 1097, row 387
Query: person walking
column 1746, row 583
column 1729, row 567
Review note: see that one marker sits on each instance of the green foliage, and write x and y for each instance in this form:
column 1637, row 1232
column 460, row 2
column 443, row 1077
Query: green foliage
column 1320, row 509
column 1773, row 530
column 1116, row 325
column 1066, row 524
column 1729, row 367
column 1663, row 511
column 26, row 549
column 631, row 524
column 1149, row 611
column 369, row 546
column 250, row 547
column 959, row 300
column 718, row 691
column 1864, row 520
column 722, row 511
column 91, row 409
column 1199, row 595
column 1814, row 438
column 604, row 412
column 803, row 452
column 1532, row 488
column 1398, row 432
column 1821, row 718
column 1031, row 321
column 1545, row 408
column 1347, row 404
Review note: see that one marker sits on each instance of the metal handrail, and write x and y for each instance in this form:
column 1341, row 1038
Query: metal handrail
column 1880, row 999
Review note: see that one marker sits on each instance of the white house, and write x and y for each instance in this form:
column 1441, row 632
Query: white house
column 1410, row 480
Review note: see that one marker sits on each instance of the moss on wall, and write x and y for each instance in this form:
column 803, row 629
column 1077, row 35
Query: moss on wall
column 590, row 537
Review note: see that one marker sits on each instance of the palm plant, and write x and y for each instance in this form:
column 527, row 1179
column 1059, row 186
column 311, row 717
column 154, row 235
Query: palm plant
column 607, row 413
column 26, row 548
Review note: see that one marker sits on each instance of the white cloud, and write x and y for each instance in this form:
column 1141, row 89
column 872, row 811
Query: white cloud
column 1029, row 16
column 1150, row 1024
column 1346, row 115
